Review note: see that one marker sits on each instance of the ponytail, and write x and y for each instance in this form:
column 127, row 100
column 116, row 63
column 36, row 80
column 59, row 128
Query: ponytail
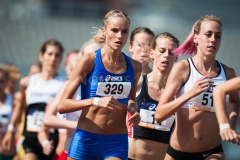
column 146, row 50
column 99, row 37
column 188, row 47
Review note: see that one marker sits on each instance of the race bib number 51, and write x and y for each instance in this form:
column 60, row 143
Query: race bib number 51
column 204, row 101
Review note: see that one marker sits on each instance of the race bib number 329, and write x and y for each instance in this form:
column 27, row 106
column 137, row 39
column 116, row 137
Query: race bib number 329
column 118, row 90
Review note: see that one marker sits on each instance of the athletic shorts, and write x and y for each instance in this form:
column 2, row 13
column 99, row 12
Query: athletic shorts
column 6, row 157
column 178, row 155
column 90, row 146
column 31, row 145
column 19, row 147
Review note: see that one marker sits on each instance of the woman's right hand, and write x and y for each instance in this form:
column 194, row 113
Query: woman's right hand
column 230, row 135
column 48, row 147
column 109, row 103
column 202, row 84
column 7, row 142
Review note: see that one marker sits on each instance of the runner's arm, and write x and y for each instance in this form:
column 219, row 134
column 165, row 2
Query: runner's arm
column 132, row 106
column 219, row 96
column 51, row 120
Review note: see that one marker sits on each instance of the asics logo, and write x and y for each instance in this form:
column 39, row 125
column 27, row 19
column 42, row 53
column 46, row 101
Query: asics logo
column 114, row 78
column 152, row 107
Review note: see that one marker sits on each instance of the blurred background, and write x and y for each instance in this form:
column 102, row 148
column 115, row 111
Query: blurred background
column 26, row 24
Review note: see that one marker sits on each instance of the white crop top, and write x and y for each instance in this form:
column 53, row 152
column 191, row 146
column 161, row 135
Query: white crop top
column 39, row 93
column 42, row 91
column 72, row 116
column 5, row 113
column 203, row 101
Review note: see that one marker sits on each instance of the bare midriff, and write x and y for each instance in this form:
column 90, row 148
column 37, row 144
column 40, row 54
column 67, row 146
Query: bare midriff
column 195, row 131
column 103, row 121
column 143, row 149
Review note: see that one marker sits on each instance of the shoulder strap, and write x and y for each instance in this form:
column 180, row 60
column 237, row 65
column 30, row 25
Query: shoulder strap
column 222, row 70
column 144, row 85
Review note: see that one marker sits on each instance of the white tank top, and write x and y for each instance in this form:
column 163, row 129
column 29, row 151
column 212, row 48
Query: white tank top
column 42, row 91
column 72, row 116
column 5, row 113
column 38, row 94
column 203, row 101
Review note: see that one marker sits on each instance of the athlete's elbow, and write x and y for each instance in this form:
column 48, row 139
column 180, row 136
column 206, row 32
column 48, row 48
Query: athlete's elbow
column 46, row 121
column 158, row 117
column 61, row 108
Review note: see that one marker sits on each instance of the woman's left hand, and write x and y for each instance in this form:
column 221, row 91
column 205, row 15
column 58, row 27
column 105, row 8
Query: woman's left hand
column 48, row 147
column 230, row 135
column 135, row 117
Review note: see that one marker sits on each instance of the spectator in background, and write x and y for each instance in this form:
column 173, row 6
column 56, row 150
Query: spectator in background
column 88, row 47
column 34, row 68
column 5, row 112
column 36, row 91
column 43, row 134
column 14, row 76
column 139, row 36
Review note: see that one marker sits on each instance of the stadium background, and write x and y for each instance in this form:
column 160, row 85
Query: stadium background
column 26, row 24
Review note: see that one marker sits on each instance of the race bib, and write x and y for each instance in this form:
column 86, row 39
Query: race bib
column 35, row 120
column 204, row 101
column 118, row 90
column 148, row 121
column 4, row 120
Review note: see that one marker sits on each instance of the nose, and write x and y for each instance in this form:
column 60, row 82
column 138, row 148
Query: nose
column 119, row 35
column 54, row 58
column 167, row 53
column 213, row 38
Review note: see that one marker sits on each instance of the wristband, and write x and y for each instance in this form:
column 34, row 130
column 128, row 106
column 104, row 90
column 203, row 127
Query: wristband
column 11, row 128
column 95, row 101
column 224, row 126
column 44, row 143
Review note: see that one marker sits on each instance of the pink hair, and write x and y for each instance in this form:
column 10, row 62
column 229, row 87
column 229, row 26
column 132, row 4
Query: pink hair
column 72, row 56
column 188, row 47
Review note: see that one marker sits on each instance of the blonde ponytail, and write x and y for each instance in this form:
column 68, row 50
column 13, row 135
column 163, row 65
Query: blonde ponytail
column 98, row 37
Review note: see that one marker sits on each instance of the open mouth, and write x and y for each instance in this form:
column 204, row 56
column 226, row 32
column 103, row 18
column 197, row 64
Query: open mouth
column 211, row 47
column 165, row 63
column 119, row 42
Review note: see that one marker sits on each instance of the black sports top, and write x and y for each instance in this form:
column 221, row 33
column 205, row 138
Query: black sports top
column 148, row 128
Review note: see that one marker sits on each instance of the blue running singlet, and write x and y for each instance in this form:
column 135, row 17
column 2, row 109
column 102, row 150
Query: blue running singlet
column 100, row 82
